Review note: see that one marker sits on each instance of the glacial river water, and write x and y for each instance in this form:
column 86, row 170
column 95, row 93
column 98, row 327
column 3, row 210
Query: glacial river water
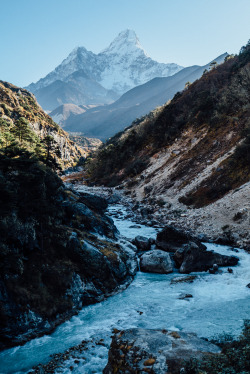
column 220, row 303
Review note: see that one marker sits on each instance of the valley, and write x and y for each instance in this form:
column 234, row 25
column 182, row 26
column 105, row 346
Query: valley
column 126, row 251
column 187, row 162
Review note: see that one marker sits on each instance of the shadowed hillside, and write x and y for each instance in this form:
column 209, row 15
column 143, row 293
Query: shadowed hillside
column 200, row 126
column 52, row 260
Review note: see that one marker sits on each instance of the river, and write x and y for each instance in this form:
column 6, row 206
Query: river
column 220, row 303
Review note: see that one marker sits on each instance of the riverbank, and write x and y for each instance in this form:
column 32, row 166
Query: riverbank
column 219, row 304
column 226, row 221
column 50, row 271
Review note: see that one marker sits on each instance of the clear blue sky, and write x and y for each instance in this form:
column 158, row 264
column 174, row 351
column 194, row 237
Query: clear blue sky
column 36, row 35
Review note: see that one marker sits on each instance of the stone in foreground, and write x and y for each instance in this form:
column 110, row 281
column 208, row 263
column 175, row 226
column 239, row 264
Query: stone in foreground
column 156, row 261
column 154, row 351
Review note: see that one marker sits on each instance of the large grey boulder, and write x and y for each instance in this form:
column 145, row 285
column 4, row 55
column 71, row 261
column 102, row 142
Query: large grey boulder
column 156, row 261
column 190, row 258
column 106, row 267
column 154, row 351
column 114, row 198
column 97, row 203
column 170, row 239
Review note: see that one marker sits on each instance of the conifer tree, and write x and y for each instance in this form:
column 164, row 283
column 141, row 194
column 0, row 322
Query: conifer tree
column 6, row 137
column 50, row 146
column 23, row 131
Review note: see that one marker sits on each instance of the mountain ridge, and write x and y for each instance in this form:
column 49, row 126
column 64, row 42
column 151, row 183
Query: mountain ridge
column 121, row 66
column 190, row 157
column 104, row 121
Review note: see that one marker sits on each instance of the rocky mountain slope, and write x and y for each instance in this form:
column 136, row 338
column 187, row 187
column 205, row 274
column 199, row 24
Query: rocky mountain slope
column 191, row 156
column 89, row 145
column 87, row 78
column 105, row 121
column 64, row 112
column 20, row 112
column 58, row 250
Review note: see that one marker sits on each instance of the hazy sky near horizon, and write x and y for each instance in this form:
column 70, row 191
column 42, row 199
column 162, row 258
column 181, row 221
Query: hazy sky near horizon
column 36, row 35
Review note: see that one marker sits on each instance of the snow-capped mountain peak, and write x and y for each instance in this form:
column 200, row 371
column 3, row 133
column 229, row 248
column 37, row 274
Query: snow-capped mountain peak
column 118, row 68
column 126, row 65
column 126, row 41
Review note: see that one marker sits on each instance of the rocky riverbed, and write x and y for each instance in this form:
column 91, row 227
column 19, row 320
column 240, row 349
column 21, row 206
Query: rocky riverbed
column 205, row 303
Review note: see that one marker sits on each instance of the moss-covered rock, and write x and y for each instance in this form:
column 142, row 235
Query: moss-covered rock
column 154, row 351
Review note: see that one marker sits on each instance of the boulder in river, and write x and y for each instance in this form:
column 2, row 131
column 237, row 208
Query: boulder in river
column 142, row 243
column 190, row 258
column 183, row 279
column 114, row 198
column 154, row 351
column 184, row 296
column 97, row 203
column 170, row 239
column 156, row 261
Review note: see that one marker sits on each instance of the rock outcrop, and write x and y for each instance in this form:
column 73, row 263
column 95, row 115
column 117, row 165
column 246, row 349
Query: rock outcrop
column 56, row 260
column 97, row 203
column 190, row 259
column 58, row 249
column 154, row 351
column 170, row 239
column 16, row 103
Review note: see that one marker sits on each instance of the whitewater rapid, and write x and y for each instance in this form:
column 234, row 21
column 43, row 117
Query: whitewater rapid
column 220, row 303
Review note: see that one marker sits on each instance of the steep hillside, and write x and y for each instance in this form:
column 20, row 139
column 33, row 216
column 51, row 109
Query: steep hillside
column 191, row 152
column 19, row 111
column 105, row 121
column 89, row 145
column 85, row 78
column 52, row 260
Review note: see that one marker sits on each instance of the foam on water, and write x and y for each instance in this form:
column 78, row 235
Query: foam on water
column 220, row 303
column 127, row 227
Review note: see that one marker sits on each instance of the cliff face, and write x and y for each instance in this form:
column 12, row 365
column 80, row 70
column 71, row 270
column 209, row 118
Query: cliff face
column 16, row 103
column 192, row 152
column 52, row 260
